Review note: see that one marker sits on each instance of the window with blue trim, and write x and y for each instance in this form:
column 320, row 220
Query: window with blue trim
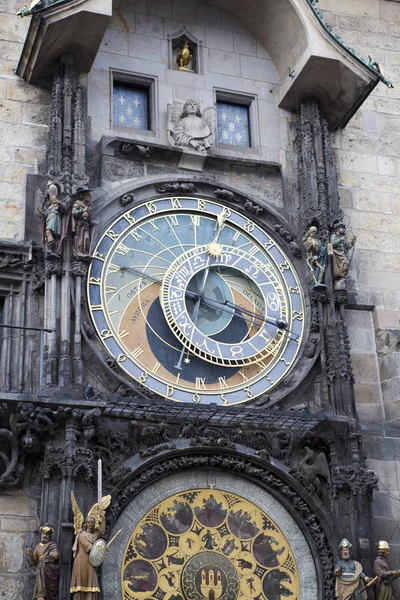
column 233, row 124
column 130, row 107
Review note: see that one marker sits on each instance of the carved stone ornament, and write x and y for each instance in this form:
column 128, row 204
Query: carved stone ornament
column 189, row 128
column 175, row 187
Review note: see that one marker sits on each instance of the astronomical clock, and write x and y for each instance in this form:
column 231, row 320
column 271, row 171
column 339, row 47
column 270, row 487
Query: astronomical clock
column 208, row 545
column 195, row 301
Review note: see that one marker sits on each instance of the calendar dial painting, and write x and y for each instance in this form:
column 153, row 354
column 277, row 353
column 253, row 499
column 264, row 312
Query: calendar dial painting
column 208, row 545
column 195, row 301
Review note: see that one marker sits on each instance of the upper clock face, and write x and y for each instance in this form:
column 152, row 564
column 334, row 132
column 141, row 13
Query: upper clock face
column 190, row 297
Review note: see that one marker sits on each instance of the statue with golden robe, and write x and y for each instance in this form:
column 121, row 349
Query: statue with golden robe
column 84, row 581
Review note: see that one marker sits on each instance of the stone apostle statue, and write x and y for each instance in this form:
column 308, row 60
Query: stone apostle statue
column 384, row 587
column 46, row 557
column 55, row 225
column 315, row 256
column 84, row 582
column 339, row 249
column 350, row 578
column 82, row 223
column 189, row 128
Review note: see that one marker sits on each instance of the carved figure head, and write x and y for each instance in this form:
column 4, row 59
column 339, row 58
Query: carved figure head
column 312, row 232
column 191, row 107
column 345, row 549
column 90, row 523
column 340, row 228
column 83, row 193
column 46, row 534
column 383, row 549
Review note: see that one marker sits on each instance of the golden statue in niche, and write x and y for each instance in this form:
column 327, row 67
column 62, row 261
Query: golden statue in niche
column 184, row 57
column 208, row 545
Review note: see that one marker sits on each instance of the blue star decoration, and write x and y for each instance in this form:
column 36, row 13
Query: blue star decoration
column 233, row 124
column 130, row 107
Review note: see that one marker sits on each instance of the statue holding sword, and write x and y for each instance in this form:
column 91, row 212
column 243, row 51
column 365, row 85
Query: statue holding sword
column 384, row 587
column 90, row 548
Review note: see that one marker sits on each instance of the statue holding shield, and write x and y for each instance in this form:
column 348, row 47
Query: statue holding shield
column 84, row 582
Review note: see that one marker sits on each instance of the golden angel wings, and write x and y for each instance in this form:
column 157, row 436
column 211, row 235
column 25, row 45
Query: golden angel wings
column 95, row 512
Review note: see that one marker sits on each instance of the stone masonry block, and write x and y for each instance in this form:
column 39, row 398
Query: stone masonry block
column 12, row 587
column 11, row 28
column 219, row 40
column 149, row 25
column 356, row 7
column 384, row 505
column 389, row 365
column 19, row 90
column 123, row 20
column 365, row 368
column 139, row 6
column 358, row 162
column 258, row 69
column 371, row 414
column 160, row 8
column 392, row 414
column 10, row 50
column 115, row 41
column 388, row 166
column 376, row 279
column 208, row 15
column 383, row 185
column 12, row 191
column 232, row 24
column 389, row 11
column 391, row 392
column 245, row 44
column 226, row 63
column 361, row 23
column 394, row 224
column 14, row 173
column 368, row 393
column 10, row 111
column 19, row 525
column 172, row 26
column 365, row 200
column 185, row 11
column 17, row 505
column 370, row 220
column 391, row 262
column 144, row 47
column 380, row 448
column 35, row 114
column 12, row 557
column 387, row 472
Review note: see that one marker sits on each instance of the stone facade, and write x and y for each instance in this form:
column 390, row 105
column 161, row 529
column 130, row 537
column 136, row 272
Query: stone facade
column 368, row 169
column 123, row 165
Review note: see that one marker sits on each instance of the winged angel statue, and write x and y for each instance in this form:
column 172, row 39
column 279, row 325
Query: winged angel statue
column 84, row 582
column 189, row 128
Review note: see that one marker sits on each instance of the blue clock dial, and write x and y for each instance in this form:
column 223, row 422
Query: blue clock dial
column 196, row 301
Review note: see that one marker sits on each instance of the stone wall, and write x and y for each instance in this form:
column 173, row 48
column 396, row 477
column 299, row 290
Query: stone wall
column 368, row 154
column 136, row 42
column 24, row 114
column 368, row 157
column 18, row 521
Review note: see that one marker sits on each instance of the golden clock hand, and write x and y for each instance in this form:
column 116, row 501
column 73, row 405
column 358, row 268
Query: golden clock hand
column 221, row 218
